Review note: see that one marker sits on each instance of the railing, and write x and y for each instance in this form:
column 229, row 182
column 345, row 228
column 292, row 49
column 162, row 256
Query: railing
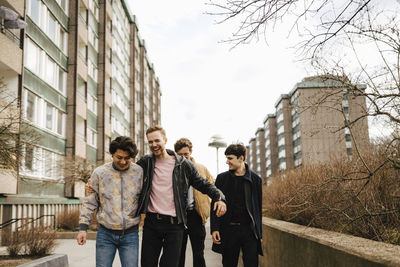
column 30, row 221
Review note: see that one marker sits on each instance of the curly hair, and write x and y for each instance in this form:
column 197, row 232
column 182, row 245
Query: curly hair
column 181, row 143
column 124, row 143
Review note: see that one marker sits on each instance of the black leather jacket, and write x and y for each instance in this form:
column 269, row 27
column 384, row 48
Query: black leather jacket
column 184, row 175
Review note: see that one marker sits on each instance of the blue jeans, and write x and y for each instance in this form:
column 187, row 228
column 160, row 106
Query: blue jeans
column 107, row 243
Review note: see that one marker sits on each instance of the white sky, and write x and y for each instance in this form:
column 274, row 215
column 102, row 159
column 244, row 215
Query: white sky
column 207, row 88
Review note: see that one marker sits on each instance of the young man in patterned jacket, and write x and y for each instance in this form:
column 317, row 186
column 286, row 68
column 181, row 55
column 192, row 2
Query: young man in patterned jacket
column 114, row 192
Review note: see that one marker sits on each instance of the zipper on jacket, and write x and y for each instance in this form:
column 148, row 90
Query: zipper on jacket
column 122, row 204
column 176, row 186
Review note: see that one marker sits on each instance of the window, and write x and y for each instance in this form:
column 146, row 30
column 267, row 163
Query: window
column 92, row 104
column 28, row 159
column 51, row 27
column 92, row 70
column 30, row 106
column 60, row 120
column 83, row 13
column 63, row 5
column 91, row 137
column 63, row 40
column 50, row 72
column 82, row 89
column 107, row 142
column 49, row 116
column 61, row 80
column 48, row 166
column 34, row 11
column 32, row 56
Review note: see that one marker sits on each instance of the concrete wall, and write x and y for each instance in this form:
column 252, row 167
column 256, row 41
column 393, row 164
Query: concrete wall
column 287, row 244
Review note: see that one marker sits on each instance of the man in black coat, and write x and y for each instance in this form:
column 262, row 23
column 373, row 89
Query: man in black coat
column 240, row 227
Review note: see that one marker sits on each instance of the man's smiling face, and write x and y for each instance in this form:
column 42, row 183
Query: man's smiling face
column 156, row 141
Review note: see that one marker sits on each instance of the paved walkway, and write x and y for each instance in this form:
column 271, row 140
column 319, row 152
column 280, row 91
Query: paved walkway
column 79, row 256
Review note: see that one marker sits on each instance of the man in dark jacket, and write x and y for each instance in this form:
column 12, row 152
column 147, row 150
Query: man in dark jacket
column 240, row 227
column 166, row 179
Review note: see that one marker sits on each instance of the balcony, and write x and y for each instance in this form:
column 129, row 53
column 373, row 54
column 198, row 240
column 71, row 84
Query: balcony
column 10, row 52
column 8, row 181
column 17, row 6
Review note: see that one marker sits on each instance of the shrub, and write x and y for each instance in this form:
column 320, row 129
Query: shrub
column 35, row 241
column 358, row 197
column 68, row 220
column 14, row 246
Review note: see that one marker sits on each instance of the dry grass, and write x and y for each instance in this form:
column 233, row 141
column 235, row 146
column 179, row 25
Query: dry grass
column 36, row 241
column 69, row 221
column 355, row 197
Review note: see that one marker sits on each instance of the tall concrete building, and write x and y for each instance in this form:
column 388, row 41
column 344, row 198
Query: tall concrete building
column 271, row 145
column 308, row 125
column 83, row 76
column 260, row 152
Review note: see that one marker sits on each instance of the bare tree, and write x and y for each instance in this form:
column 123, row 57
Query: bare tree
column 77, row 172
column 317, row 21
column 363, row 198
column 14, row 133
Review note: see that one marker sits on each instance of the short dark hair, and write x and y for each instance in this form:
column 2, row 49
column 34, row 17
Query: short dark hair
column 237, row 150
column 124, row 143
column 181, row 143
column 156, row 128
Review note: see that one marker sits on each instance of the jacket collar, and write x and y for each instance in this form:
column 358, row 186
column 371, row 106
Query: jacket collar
column 247, row 174
column 178, row 159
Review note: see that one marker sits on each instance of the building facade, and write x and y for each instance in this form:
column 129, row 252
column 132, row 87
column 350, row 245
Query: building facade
column 260, row 152
column 83, row 77
column 308, row 125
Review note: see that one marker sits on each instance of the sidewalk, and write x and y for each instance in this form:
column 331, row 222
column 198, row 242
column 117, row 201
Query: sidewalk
column 79, row 256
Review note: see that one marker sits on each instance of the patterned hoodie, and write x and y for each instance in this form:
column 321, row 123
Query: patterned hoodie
column 115, row 198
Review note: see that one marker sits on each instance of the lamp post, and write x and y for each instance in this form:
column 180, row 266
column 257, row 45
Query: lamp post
column 217, row 141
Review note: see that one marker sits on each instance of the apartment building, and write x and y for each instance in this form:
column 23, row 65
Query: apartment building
column 260, row 152
column 252, row 154
column 308, row 125
column 271, row 145
column 11, row 71
column 83, row 77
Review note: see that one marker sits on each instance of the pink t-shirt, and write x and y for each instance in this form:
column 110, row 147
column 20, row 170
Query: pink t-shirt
column 162, row 194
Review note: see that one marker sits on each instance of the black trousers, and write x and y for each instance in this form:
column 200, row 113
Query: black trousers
column 234, row 238
column 161, row 233
column 197, row 234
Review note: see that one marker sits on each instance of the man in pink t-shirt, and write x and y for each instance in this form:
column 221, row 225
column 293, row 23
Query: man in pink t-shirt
column 166, row 180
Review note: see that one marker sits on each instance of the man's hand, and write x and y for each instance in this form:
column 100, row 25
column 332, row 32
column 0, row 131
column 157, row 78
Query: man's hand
column 81, row 238
column 220, row 207
column 216, row 237
column 89, row 190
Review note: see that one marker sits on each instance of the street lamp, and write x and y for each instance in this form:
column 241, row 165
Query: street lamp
column 217, row 141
